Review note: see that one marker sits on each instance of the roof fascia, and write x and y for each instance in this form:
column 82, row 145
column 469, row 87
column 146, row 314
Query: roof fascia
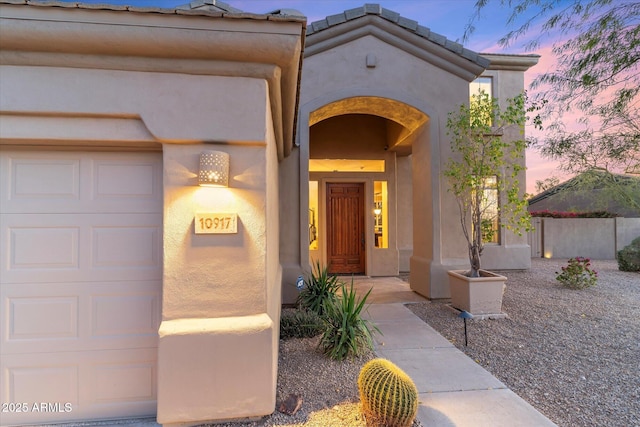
column 501, row 61
column 396, row 36
column 157, row 36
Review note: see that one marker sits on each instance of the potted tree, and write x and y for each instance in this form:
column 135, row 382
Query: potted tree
column 487, row 145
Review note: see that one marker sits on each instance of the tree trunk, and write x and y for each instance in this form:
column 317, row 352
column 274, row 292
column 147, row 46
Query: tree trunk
column 474, row 256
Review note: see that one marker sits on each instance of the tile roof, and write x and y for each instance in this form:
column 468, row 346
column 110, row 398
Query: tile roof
column 210, row 5
column 212, row 8
column 394, row 17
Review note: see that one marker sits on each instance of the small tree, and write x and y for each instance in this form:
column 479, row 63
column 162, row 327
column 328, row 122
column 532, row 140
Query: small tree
column 480, row 153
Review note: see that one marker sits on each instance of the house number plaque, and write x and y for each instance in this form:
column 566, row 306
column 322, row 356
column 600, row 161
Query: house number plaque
column 216, row 223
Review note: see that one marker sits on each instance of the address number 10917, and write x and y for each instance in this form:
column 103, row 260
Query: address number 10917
column 216, row 223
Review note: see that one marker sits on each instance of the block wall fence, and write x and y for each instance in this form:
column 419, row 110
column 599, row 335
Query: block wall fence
column 597, row 238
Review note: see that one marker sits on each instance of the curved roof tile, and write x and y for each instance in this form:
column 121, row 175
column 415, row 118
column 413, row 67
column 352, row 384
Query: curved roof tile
column 396, row 18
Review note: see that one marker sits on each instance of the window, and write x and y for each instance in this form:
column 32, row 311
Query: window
column 481, row 84
column 380, row 214
column 478, row 87
column 313, row 215
column 490, row 211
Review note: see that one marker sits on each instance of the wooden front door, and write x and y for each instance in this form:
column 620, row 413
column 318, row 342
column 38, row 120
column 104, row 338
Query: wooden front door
column 345, row 228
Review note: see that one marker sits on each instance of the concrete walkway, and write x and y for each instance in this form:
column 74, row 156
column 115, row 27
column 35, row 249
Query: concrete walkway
column 454, row 390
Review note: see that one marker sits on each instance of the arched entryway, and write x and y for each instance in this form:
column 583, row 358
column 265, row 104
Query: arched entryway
column 360, row 192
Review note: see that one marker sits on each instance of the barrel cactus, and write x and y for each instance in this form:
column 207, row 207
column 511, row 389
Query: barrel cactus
column 388, row 395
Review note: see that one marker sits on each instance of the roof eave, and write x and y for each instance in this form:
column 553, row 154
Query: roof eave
column 182, row 35
column 510, row 62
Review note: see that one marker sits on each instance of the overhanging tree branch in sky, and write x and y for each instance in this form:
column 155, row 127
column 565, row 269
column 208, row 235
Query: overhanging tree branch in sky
column 596, row 82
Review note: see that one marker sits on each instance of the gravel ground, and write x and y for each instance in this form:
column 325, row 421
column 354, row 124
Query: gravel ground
column 573, row 354
column 328, row 388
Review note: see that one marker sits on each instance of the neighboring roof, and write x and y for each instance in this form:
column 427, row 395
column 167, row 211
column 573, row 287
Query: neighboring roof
column 408, row 24
column 574, row 196
column 212, row 8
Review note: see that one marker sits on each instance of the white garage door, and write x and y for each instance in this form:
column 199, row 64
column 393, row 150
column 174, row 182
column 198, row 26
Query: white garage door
column 80, row 282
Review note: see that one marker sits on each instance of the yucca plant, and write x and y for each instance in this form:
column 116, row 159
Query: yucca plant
column 319, row 290
column 346, row 333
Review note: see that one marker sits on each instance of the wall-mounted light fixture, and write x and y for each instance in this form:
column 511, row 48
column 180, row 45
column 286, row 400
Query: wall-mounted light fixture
column 377, row 211
column 214, row 169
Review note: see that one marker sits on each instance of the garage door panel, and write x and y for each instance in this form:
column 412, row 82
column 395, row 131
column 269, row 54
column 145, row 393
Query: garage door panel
column 81, row 182
column 34, row 383
column 126, row 247
column 80, row 284
column 43, row 248
column 67, row 248
column 114, row 179
column 122, row 315
column 101, row 384
column 42, row 318
column 80, row 316
column 42, row 178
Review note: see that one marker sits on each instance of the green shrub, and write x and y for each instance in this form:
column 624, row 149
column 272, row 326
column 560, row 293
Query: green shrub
column 346, row 333
column 629, row 257
column 578, row 274
column 388, row 395
column 319, row 290
column 300, row 324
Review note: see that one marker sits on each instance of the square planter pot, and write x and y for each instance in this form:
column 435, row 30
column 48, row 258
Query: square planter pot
column 477, row 295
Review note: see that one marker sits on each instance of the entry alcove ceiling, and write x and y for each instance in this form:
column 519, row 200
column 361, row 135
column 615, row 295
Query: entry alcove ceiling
column 402, row 120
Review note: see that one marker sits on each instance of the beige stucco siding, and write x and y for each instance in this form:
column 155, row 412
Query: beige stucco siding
column 404, row 198
column 395, row 70
column 174, row 107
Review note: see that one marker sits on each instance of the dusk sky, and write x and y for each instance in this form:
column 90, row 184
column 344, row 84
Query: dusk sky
column 446, row 17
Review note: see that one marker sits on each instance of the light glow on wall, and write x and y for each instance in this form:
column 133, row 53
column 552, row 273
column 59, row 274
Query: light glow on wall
column 212, row 197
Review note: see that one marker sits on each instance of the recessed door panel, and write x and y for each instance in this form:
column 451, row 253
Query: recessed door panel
column 345, row 228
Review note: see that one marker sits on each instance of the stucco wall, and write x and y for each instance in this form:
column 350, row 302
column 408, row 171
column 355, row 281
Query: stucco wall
column 582, row 237
column 627, row 229
column 597, row 238
column 293, row 227
column 404, row 197
column 221, row 292
column 174, row 107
